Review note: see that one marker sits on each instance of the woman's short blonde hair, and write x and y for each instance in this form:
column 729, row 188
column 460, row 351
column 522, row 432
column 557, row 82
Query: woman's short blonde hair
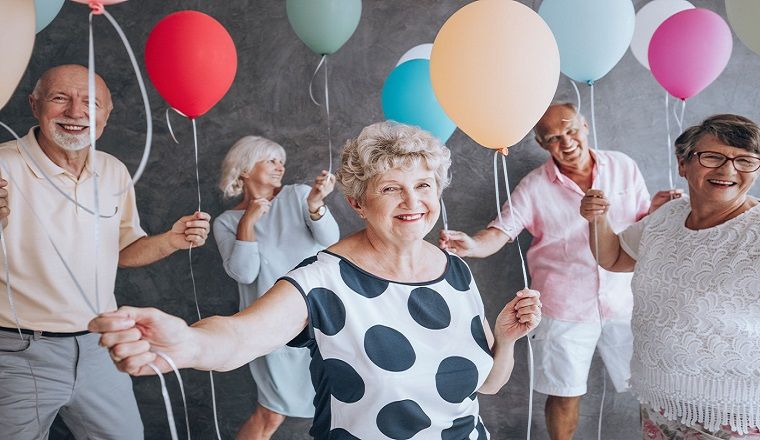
column 242, row 156
column 387, row 145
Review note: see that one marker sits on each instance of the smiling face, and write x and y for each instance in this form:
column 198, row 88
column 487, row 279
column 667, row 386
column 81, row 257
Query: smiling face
column 60, row 104
column 400, row 205
column 266, row 173
column 723, row 185
column 564, row 134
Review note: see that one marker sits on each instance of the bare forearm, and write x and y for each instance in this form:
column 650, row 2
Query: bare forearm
column 503, row 363
column 146, row 250
column 488, row 242
column 604, row 243
column 269, row 323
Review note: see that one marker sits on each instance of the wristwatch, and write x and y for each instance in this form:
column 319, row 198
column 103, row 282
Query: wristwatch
column 316, row 215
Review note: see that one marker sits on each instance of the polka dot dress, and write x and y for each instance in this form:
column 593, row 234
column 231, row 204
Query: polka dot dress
column 393, row 360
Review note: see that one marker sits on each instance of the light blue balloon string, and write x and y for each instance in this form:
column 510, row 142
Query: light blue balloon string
column 91, row 109
column 512, row 213
column 595, row 147
column 174, row 368
column 444, row 216
column 167, row 402
column 323, row 61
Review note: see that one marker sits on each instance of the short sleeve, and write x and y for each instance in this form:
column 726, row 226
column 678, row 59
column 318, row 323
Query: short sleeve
column 129, row 224
column 303, row 277
column 512, row 222
column 630, row 238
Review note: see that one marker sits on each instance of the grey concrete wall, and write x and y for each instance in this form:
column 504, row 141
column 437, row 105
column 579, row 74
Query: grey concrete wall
column 270, row 98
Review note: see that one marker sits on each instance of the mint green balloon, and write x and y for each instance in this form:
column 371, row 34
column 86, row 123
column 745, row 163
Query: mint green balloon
column 324, row 25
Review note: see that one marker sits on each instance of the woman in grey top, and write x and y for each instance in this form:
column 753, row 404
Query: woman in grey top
column 270, row 231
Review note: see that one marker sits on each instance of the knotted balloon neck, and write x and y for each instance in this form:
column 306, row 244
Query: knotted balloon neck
column 96, row 7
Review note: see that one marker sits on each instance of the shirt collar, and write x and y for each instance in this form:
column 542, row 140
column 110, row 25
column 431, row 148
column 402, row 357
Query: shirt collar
column 554, row 175
column 34, row 157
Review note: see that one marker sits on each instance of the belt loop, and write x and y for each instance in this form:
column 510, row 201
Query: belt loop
column 37, row 335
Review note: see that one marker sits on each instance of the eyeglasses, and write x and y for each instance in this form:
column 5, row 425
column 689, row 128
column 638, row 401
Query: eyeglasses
column 743, row 164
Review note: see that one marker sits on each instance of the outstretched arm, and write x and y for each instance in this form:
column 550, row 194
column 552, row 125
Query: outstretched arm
column 483, row 244
column 133, row 335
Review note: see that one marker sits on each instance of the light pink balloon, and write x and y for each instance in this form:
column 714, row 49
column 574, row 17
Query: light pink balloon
column 689, row 51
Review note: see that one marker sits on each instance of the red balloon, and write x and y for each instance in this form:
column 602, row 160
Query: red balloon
column 191, row 60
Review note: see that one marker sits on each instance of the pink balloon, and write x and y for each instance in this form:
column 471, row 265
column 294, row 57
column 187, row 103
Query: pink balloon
column 689, row 50
column 97, row 5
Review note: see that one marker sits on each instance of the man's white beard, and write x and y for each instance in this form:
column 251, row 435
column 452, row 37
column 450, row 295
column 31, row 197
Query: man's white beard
column 69, row 141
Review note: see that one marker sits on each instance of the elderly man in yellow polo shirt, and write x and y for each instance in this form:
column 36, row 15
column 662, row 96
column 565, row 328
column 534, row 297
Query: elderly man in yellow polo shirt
column 44, row 345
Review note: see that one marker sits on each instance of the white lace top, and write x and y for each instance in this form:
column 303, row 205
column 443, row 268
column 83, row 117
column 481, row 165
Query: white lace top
column 696, row 317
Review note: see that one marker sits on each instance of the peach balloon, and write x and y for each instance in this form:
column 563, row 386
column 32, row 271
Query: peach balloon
column 495, row 69
column 17, row 24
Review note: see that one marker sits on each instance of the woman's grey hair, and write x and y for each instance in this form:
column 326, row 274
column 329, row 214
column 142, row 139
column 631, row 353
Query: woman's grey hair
column 387, row 145
column 242, row 156
column 732, row 130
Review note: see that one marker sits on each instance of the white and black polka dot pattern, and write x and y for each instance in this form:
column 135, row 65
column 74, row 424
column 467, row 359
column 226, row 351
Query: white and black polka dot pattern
column 393, row 360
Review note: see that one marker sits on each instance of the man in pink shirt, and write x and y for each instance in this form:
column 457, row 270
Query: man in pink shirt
column 575, row 291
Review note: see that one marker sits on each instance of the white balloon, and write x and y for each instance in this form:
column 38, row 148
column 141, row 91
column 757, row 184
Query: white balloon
column 422, row 51
column 648, row 19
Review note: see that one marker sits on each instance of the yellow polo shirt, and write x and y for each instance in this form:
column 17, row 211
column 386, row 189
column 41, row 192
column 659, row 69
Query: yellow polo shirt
column 45, row 295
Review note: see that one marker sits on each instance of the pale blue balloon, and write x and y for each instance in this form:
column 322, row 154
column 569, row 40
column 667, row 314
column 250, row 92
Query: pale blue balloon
column 592, row 35
column 46, row 10
column 408, row 98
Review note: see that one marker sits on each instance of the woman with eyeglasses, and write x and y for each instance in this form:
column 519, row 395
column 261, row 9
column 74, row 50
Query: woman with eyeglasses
column 696, row 287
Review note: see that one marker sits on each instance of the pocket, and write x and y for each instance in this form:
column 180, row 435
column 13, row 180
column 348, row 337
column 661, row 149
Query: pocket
column 12, row 343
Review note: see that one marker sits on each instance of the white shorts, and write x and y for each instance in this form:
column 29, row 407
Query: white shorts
column 563, row 351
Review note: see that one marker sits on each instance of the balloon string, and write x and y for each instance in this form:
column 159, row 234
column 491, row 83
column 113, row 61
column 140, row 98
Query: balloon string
column 444, row 217
column 192, row 275
column 577, row 95
column 167, row 402
column 597, row 179
column 323, row 61
column 146, row 105
column 327, row 111
column 6, row 269
column 22, row 145
column 667, row 149
column 522, row 265
column 169, row 125
column 313, row 76
column 683, row 111
column 174, row 368
column 93, row 159
column 593, row 116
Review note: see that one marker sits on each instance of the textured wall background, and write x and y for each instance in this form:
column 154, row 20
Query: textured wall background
column 270, row 98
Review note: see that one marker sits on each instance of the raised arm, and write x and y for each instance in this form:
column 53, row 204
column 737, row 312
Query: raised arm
column 519, row 316
column 133, row 335
column 604, row 243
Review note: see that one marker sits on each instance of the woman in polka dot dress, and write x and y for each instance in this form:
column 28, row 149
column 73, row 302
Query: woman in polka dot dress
column 399, row 342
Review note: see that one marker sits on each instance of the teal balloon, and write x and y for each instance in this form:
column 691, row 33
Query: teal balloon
column 408, row 98
column 592, row 35
column 324, row 25
column 46, row 10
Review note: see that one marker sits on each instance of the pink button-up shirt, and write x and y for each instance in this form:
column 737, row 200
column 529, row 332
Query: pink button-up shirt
column 560, row 262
